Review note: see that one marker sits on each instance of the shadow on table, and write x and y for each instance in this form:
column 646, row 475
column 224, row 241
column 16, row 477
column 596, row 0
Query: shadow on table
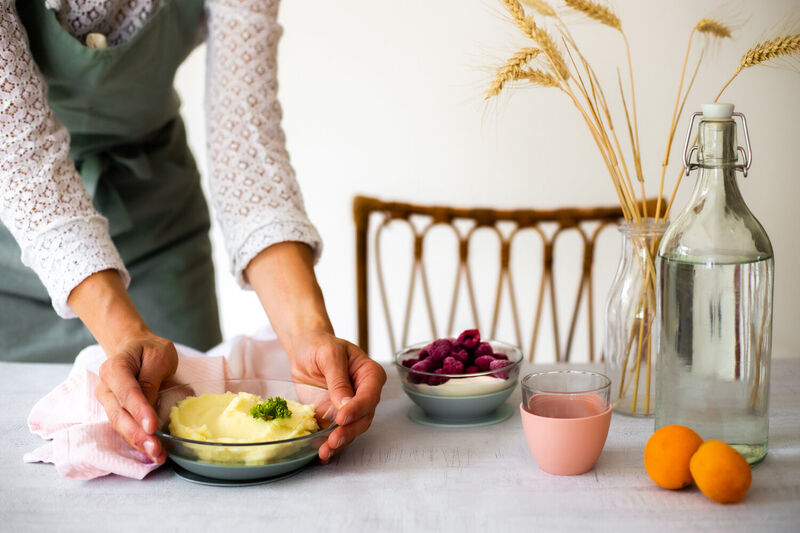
column 774, row 478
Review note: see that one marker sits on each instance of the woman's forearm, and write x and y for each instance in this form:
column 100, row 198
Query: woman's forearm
column 104, row 306
column 283, row 277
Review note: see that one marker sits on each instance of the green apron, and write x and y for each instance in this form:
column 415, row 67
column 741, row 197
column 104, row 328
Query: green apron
column 129, row 145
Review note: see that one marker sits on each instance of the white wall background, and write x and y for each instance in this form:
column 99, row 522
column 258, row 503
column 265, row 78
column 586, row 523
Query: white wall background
column 385, row 99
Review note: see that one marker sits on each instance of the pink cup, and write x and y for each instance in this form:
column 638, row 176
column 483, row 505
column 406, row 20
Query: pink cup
column 566, row 415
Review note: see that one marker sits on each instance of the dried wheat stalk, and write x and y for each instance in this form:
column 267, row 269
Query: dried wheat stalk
column 707, row 26
column 606, row 16
column 588, row 110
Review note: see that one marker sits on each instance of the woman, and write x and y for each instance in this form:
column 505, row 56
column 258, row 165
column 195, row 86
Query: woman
column 104, row 218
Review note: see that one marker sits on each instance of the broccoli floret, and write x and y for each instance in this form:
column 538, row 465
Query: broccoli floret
column 272, row 408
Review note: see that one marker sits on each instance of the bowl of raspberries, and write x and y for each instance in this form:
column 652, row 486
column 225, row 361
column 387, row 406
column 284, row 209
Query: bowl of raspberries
column 459, row 380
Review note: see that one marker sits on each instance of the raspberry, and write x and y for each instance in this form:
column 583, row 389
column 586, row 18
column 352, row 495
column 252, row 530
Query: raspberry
column 440, row 349
column 435, row 363
column 469, row 339
column 502, row 356
column 497, row 364
column 471, row 370
column 460, row 355
column 437, row 380
column 424, row 353
column 483, row 348
column 483, row 362
column 451, row 365
column 408, row 363
column 423, row 366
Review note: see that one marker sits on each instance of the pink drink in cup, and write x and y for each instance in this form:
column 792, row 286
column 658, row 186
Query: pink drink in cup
column 566, row 415
column 559, row 406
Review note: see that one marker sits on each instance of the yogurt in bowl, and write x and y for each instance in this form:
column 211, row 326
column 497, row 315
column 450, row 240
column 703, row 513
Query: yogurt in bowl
column 464, row 386
column 459, row 379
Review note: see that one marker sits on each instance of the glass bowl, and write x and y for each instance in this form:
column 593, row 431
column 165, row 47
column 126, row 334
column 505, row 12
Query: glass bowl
column 459, row 397
column 246, row 461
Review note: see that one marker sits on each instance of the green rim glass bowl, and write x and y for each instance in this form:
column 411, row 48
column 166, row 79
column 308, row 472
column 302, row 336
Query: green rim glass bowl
column 459, row 398
column 246, row 461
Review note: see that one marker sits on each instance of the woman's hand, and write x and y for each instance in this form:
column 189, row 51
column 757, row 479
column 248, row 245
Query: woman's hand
column 283, row 277
column 129, row 384
column 138, row 360
column 353, row 380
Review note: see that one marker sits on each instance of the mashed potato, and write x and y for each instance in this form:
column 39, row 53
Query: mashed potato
column 225, row 418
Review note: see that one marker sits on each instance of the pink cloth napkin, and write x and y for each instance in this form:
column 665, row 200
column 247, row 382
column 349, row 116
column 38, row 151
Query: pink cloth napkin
column 82, row 444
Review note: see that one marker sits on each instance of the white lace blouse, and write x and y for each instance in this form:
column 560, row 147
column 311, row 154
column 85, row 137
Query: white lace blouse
column 254, row 192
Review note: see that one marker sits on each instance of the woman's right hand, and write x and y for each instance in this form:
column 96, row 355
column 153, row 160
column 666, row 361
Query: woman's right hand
column 130, row 379
column 138, row 360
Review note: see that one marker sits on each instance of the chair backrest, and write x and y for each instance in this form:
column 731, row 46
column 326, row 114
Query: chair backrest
column 508, row 224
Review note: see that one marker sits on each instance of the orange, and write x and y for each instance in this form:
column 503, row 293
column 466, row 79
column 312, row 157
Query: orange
column 720, row 472
column 667, row 454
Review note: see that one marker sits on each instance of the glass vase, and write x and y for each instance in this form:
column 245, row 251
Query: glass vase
column 629, row 348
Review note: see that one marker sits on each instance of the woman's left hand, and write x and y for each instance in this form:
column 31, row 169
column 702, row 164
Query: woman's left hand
column 352, row 378
column 283, row 277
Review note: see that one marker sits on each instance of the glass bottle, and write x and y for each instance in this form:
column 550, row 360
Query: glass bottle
column 714, row 300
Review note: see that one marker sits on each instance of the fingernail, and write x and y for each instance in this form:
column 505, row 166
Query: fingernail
column 340, row 443
column 345, row 400
column 150, row 448
column 147, row 425
column 347, row 420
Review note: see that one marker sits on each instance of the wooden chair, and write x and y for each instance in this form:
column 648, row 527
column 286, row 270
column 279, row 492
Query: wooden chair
column 465, row 222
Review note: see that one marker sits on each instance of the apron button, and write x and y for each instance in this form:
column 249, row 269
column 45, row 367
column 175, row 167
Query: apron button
column 96, row 41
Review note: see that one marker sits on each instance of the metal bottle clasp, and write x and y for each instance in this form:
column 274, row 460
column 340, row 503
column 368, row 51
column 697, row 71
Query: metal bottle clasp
column 746, row 153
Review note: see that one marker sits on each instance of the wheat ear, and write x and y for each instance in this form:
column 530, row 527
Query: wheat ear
column 536, row 77
column 552, row 52
column 513, row 70
column 541, row 7
column 713, row 27
column 767, row 51
column 781, row 46
column 517, row 12
column 596, row 11
column 540, row 36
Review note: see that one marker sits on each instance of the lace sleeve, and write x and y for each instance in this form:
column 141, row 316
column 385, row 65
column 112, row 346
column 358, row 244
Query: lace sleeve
column 42, row 199
column 254, row 191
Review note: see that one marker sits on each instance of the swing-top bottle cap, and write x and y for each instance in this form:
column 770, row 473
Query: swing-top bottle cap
column 717, row 110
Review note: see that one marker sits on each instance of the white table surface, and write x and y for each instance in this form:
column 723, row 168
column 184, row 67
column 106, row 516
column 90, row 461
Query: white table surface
column 400, row 476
